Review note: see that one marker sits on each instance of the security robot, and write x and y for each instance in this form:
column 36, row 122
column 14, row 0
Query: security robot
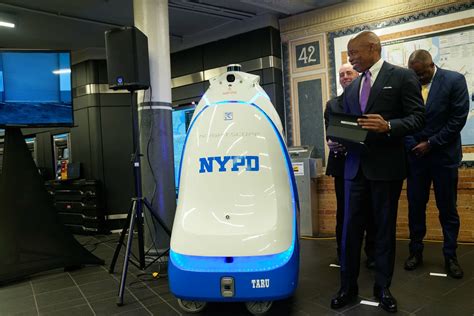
column 235, row 233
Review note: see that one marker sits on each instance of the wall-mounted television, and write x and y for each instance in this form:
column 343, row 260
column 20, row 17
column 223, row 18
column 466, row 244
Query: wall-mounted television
column 35, row 88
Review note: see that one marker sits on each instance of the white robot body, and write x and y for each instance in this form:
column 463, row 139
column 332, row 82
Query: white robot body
column 237, row 207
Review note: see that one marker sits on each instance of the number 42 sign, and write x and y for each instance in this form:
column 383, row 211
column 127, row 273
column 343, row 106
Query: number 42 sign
column 307, row 54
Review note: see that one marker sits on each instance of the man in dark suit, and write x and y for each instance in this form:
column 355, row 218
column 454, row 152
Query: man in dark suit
column 335, row 168
column 390, row 99
column 434, row 155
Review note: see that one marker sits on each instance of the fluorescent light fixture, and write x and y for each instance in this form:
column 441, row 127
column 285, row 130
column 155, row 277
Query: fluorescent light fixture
column 7, row 19
column 62, row 71
column 7, row 24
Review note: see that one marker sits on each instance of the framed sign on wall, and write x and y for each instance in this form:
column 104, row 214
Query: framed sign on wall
column 308, row 54
column 309, row 99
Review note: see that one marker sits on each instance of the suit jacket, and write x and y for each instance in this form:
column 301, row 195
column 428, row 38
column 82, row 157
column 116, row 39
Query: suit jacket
column 335, row 166
column 447, row 108
column 396, row 96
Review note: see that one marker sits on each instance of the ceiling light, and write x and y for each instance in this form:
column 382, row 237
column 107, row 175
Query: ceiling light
column 7, row 24
column 7, row 20
column 62, row 71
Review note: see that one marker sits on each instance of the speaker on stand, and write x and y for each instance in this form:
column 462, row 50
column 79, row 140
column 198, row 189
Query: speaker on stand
column 127, row 59
column 128, row 69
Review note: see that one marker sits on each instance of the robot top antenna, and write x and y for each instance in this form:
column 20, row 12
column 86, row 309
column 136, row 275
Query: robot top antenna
column 234, row 67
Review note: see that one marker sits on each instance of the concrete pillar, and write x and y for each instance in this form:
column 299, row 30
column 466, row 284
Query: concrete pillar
column 156, row 132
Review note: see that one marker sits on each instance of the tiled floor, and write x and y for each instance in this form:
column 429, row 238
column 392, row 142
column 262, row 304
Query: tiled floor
column 93, row 291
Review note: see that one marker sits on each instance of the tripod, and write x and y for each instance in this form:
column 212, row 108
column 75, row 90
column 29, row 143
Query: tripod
column 135, row 214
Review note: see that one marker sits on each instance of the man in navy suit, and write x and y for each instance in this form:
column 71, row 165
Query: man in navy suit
column 434, row 155
column 335, row 168
column 389, row 98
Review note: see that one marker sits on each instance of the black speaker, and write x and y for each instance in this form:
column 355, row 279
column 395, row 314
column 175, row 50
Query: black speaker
column 127, row 59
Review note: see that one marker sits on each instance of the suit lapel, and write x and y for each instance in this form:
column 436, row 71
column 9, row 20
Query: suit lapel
column 435, row 87
column 382, row 77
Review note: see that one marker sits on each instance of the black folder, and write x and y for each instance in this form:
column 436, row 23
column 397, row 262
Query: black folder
column 344, row 129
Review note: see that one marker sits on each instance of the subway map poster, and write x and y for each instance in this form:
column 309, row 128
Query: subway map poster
column 451, row 50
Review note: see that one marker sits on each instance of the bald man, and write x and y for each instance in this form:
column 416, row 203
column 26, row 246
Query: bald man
column 335, row 168
column 388, row 99
column 434, row 155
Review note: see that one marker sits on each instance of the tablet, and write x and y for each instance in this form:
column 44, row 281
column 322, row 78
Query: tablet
column 344, row 129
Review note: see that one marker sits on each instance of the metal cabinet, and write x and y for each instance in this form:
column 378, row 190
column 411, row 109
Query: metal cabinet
column 79, row 204
column 305, row 168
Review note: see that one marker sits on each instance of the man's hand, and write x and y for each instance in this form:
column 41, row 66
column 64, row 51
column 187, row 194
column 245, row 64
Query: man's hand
column 374, row 123
column 335, row 146
column 421, row 149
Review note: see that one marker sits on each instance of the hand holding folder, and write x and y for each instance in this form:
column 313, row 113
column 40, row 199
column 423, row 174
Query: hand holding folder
column 344, row 129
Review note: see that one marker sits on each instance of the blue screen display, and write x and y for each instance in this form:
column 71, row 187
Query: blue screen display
column 35, row 88
column 181, row 120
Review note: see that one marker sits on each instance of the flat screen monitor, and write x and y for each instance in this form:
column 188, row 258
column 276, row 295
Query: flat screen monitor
column 181, row 120
column 35, row 88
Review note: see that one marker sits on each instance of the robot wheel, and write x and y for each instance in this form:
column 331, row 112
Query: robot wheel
column 258, row 307
column 191, row 306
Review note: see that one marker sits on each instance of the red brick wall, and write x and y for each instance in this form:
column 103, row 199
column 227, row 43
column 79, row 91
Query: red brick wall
column 327, row 209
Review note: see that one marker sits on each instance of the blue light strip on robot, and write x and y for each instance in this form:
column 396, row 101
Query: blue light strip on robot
column 239, row 264
column 247, row 263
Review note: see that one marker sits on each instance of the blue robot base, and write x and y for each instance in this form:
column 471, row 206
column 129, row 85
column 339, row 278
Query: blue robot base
column 200, row 278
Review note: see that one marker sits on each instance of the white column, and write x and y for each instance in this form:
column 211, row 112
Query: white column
column 156, row 132
column 151, row 17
